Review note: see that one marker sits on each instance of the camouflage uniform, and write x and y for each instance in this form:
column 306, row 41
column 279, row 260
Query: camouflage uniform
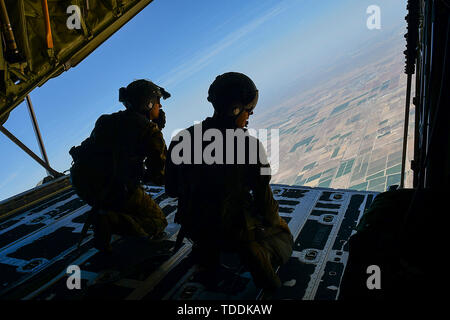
column 109, row 167
column 229, row 207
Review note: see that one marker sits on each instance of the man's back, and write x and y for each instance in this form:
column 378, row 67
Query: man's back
column 217, row 202
column 119, row 143
column 122, row 133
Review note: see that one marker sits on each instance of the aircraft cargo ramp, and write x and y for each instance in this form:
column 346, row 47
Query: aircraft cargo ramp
column 39, row 242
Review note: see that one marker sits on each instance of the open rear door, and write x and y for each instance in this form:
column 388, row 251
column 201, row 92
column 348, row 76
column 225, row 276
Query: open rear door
column 43, row 38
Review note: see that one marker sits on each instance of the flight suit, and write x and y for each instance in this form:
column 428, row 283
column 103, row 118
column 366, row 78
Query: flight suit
column 123, row 150
column 229, row 207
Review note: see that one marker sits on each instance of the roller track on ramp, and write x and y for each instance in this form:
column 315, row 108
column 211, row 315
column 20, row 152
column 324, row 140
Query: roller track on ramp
column 38, row 243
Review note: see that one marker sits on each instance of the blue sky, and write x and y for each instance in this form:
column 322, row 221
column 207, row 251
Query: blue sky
column 182, row 46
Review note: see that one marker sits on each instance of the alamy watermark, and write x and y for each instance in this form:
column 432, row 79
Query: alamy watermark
column 74, row 20
column 74, row 279
column 240, row 146
column 374, row 280
column 374, row 20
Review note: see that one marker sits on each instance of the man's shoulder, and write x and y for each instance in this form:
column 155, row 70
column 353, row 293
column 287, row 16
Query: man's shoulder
column 111, row 116
column 103, row 118
column 136, row 121
column 190, row 130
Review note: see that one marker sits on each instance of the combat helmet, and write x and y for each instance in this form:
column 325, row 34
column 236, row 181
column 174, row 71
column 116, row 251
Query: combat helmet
column 231, row 93
column 140, row 95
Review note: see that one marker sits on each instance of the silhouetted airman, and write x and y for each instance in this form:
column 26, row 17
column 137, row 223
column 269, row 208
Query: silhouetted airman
column 125, row 149
column 229, row 206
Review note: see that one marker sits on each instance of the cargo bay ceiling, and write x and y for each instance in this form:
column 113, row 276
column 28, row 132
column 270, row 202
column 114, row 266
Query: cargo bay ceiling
column 43, row 38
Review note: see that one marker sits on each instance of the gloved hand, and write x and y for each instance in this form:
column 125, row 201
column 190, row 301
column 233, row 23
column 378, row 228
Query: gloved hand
column 161, row 120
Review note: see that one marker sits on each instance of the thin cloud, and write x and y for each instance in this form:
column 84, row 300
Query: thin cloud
column 9, row 178
column 201, row 60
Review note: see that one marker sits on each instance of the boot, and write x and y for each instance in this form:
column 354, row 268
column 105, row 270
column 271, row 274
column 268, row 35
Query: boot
column 208, row 265
column 258, row 260
column 102, row 232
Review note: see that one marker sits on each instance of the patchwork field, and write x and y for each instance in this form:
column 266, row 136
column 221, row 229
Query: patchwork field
column 348, row 131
